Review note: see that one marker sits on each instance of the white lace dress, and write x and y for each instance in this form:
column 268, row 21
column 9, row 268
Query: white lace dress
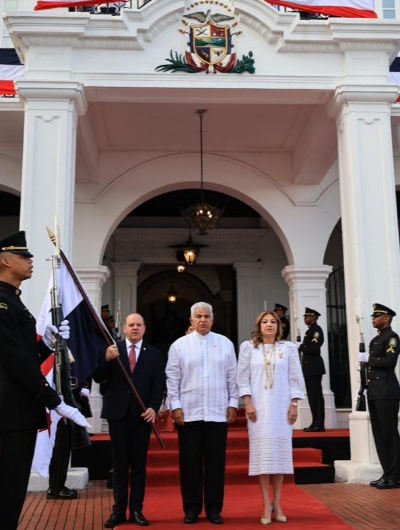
column 271, row 435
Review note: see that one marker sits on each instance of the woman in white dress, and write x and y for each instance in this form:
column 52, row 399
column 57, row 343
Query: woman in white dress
column 271, row 382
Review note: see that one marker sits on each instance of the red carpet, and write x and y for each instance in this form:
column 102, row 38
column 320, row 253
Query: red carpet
column 243, row 505
column 242, row 509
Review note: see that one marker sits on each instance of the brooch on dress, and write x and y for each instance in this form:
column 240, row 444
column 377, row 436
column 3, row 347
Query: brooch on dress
column 280, row 354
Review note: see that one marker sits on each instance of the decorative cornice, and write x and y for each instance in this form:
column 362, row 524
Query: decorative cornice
column 295, row 274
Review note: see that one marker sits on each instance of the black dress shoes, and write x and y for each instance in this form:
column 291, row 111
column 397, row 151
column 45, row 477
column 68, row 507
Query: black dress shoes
column 114, row 520
column 138, row 518
column 374, row 483
column 314, row 429
column 215, row 518
column 190, row 518
column 64, row 494
column 387, row 484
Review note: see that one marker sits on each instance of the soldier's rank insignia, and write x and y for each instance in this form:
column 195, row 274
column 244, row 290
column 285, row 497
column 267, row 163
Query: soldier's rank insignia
column 3, row 306
column 392, row 345
column 316, row 335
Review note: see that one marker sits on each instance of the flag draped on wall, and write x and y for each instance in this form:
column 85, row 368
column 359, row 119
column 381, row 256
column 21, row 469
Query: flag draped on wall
column 88, row 338
column 11, row 70
column 338, row 8
column 52, row 4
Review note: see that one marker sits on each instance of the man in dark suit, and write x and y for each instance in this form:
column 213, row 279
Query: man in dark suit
column 384, row 395
column 313, row 369
column 24, row 391
column 280, row 310
column 129, row 426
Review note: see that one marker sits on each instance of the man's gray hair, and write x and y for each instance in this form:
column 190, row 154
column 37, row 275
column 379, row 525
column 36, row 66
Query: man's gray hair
column 200, row 305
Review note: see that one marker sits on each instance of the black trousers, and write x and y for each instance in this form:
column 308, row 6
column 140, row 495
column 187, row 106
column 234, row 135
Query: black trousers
column 316, row 399
column 202, row 449
column 59, row 462
column 16, row 455
column 129, row 444
column 384, row 423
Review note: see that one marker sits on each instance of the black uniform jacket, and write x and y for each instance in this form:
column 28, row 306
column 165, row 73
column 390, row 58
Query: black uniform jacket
column 148, row 378
column 312, row 362
column 285, row 328
column 24, row 391
column 383, row 353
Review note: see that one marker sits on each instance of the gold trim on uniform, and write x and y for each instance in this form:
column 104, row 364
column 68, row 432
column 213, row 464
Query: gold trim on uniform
column 3, row 306
column 4, row 249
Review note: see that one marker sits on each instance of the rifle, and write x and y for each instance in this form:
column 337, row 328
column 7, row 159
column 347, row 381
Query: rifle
column 361, row 401
column 65, row 383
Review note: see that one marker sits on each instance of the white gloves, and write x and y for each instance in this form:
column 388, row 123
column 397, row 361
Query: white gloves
column 85, row 392
column 51, row 330
column 363, row 357
column 72, row 414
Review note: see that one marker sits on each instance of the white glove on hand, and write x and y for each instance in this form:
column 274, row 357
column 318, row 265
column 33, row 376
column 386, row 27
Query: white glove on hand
column 72, row 414
column 363, row 357
column 85, row 392
column 52, row 330
column 63, row 330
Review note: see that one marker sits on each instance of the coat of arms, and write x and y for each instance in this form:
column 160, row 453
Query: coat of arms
column 210, row 46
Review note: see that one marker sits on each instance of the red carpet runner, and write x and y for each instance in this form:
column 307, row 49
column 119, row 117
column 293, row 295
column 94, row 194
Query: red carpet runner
column 242, row 506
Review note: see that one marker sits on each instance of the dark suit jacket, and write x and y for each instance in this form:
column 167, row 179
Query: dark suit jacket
column 312, row 362
column 24, row 391
column 148, row 378
column 383, row 354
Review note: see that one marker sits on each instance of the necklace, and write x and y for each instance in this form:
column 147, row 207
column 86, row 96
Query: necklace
column 269, row 364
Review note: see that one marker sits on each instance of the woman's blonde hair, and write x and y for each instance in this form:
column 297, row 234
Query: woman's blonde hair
column 257, row 336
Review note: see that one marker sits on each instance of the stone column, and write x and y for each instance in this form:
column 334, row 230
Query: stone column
column 370, row 238
column 248, row 303
column 48, row 172
column 307, row 288
column 125, row 278
column 93, row 278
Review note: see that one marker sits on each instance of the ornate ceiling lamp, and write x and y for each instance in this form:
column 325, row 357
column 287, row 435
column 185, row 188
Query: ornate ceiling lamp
column 180, row 268
column 172, row 294
column 187, row 251
column 202, row 216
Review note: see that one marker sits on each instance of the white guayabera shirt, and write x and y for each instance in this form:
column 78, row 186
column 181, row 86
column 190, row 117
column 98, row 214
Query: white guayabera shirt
column 201, row 376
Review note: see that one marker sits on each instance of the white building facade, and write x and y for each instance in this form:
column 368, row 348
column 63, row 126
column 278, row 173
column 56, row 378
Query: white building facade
column 309, row 139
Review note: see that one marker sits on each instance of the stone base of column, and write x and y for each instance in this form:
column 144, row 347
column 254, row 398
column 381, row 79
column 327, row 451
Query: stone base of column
column 304, row 418
column 77, row 479
column 364, row 464
column 355, row 473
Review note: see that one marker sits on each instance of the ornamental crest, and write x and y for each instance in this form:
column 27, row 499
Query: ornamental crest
column 210, row 43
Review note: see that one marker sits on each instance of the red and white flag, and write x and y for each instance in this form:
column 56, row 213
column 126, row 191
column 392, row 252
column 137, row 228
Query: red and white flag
column 52, row 4
column 337, row 8
column 11, row 70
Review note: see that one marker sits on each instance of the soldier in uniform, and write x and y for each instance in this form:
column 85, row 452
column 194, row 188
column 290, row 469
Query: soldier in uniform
column 280, row 310
column 313, row 369
column 384, row 395
column 24, row 391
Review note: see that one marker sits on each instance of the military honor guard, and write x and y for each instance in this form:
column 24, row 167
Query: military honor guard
column 280, row 310
column 313, row 369
column 384, row 395
column 24, row 391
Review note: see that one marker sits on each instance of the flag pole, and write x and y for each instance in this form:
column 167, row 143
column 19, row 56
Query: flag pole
column 110, row 341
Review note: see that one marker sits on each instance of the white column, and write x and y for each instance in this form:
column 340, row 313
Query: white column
column 307, row 288
column 248, row 304
column 370, row 239
column 125, row 278
column 93, row 278
column 48, row 172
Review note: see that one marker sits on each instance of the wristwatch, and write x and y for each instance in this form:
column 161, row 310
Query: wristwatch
column 296, row 404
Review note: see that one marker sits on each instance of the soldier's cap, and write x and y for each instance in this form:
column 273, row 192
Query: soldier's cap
column 311, row 313
column 280, row 306
column 16, row 243
column 379, row 309
column 105, row 307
